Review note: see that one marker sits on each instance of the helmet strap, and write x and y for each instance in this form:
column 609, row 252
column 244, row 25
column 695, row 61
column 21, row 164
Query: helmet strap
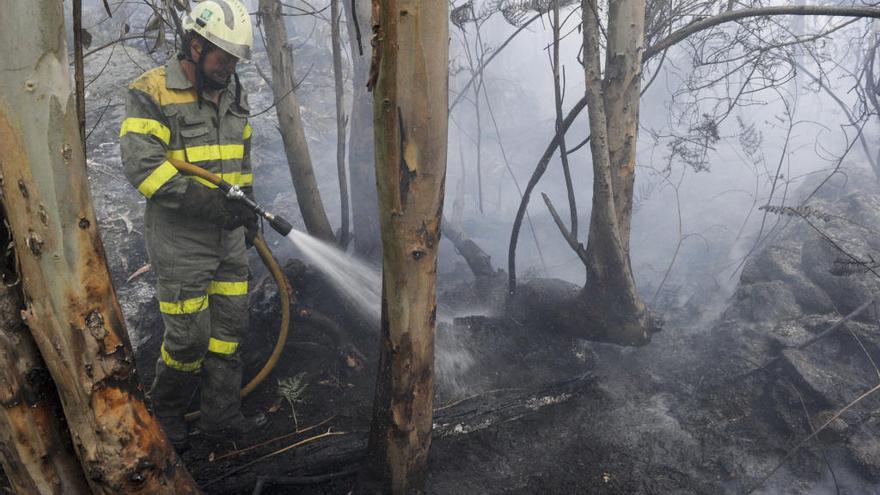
column 237, row 89
column 202, row 81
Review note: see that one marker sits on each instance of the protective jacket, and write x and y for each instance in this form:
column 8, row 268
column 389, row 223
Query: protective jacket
column 201, row 269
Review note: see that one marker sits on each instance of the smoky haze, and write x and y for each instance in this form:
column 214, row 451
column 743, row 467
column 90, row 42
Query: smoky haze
column 727, row 126
column 714, row 206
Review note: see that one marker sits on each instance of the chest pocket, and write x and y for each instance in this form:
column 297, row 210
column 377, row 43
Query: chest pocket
column 192, row 127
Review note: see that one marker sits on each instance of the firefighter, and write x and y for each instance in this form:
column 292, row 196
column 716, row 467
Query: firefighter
column 194, row 109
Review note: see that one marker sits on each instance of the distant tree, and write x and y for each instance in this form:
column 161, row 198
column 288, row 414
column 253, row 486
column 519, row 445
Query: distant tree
column 608, row 308
column 361, row 162
column 290, row 123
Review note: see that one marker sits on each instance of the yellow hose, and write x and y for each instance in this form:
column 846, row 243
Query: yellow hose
column 284, row 289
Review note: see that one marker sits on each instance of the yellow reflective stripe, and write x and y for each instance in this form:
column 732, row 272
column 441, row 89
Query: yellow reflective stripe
column 208, row 152
column 177, row 154
column 246, row 180
column 157, row 178
column 221, row 346
column 145, row 126
column 228, row 288
column 179, row 365
column 248, row 130
column 234, row 178
column 185, row 307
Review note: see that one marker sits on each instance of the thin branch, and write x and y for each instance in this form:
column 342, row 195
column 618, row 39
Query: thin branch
column 533, row 181
column 495, row 53
column 111, row 43
column 824, row 333
column 735, row 15
column 100, row 117
column 236, row 453
column 571, row 240
column 812, row 436
column 226, row 474
column 813, row 429
column 558, row 97
column 513, row 176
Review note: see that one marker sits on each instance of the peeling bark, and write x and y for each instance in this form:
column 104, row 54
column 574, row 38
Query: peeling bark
column 71, row 306
column 35, row 447
column 609, row 307
column 410, row 122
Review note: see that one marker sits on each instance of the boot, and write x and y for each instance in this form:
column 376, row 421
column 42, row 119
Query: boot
column 177, row 432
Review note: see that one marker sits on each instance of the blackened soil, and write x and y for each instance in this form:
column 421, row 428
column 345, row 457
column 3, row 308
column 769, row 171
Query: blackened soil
column 518, row 411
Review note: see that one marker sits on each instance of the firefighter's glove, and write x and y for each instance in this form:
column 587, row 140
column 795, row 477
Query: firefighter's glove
column 211, row 205
column 203, row 203
column 237, row 215
column 250, row 235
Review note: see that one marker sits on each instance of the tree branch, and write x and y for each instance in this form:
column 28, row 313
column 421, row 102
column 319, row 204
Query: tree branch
column 533, row 181
column 736, row 15
column 482, row 67
column 570, row 239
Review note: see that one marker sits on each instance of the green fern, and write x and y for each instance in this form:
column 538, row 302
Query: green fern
column 292, row 389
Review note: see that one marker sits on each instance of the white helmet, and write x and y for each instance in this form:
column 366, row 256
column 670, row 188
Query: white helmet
column 226, row 23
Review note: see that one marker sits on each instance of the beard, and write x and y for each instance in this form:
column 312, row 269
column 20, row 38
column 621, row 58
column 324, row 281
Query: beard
column 210, row 84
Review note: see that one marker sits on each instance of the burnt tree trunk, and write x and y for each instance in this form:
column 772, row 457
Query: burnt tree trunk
column 35, row 447
column 411, row 131
column 290, row 122
column 71, row 306
column 361, row 161
column 609, row 301
column 608, row 308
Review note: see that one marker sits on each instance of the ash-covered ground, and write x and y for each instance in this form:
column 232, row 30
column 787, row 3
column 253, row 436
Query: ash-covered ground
column 520, row 410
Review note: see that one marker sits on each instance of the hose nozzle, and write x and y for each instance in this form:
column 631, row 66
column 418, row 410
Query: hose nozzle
column 280, row 225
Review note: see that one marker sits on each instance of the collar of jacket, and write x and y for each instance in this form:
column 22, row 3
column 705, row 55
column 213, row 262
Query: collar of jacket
column 175, row 77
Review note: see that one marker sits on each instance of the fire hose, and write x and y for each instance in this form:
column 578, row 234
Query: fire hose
column 280, row 225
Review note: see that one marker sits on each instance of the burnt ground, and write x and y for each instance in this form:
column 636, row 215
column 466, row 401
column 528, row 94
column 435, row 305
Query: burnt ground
column 519, row 410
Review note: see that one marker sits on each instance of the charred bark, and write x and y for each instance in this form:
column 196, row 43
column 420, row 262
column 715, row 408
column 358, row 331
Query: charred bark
column 411, row 95
column 71, row 306
column 477, row 260
column 35, row 447
column 490, row 284
column 361, row 160
column 290, row 122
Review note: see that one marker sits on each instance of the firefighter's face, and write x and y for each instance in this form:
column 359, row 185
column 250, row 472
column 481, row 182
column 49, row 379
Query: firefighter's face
column 218, row 65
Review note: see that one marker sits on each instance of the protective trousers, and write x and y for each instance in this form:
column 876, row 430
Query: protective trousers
column 202, row 288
